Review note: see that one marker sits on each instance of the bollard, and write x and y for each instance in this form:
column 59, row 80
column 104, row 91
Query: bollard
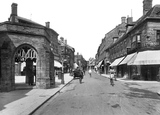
column 62, row 78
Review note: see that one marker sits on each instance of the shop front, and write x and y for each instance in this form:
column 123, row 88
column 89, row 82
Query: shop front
column 124, row 68
column 145, row 65
column 118, row 69
column 100, row 66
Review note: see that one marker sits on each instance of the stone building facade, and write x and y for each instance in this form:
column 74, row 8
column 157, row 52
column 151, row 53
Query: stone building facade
column 137, row 53
column 23, row 40
column 80, row 61
column 102, row 56
column 67, row 55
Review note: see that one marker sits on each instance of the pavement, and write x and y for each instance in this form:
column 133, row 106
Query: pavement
column 26, row 101
column 153, row 86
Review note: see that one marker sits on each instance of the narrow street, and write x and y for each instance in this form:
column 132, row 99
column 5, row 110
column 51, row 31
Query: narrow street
column 95, row 96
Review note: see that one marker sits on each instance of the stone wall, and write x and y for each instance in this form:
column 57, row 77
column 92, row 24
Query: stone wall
column 17, row 36
column 7, row 81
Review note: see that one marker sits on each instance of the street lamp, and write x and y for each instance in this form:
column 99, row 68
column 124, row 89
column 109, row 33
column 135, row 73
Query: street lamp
column 62, row 75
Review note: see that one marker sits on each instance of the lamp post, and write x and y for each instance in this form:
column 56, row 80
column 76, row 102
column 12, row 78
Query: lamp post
column 62, row 75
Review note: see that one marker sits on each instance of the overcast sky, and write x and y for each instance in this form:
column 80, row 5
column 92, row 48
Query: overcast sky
column 83, row 23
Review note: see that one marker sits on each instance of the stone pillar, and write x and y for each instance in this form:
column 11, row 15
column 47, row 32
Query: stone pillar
column 42, row 70
column 52, row 70
column 7, row 77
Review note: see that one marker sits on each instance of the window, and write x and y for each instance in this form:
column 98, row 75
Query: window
column 133, row 44
column 114, row 39
column 135, row 41
column 158, row 37
column 138, row 38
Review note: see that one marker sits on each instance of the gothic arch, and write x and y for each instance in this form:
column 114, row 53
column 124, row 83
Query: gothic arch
column 24, row 61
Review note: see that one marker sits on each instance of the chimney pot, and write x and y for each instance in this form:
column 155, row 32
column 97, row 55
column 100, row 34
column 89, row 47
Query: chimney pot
column 48, row 24
column 14, row 9
column 13, row 12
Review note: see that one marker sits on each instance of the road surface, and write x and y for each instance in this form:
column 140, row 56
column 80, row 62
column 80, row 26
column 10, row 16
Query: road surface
column 95, row 96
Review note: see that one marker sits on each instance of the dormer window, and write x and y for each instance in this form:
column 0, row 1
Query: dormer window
column 114, row 39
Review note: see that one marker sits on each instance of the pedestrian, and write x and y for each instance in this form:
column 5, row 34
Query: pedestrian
column 112, row 72
column 90, row 72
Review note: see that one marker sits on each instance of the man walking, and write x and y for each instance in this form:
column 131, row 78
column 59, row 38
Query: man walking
column 90, row 71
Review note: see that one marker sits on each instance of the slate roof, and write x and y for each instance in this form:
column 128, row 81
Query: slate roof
column 27, row 20
column 153, row 13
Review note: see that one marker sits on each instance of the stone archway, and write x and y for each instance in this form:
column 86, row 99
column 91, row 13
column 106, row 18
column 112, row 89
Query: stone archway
column 25, row 64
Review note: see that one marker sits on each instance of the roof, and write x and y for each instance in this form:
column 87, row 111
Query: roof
column 62, row 43
column 26, row 20
column 153, row 13
column 29, row 22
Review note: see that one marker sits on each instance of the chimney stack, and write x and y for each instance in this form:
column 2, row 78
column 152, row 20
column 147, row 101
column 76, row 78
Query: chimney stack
column 147, row 5
column 62, row 39
column 65, row 41
column 123, row 19
column 130, row 23
column 48, row 24
column 129, row 20
column 13, row 12
column 14, row 9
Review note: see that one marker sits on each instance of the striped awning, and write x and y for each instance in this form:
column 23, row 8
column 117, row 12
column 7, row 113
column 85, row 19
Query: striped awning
column 117, row 61
column 150, row 57
column 128, row 58
column 57, row 64
column 99, row 64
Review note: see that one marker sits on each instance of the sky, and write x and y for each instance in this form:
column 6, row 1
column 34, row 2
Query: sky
column 83, row 23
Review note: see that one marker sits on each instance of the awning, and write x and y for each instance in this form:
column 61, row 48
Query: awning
column 127, row 58
column 117, row 61
column 99, row 64
column 151, row 57
column 57, row 64
column 75, row 65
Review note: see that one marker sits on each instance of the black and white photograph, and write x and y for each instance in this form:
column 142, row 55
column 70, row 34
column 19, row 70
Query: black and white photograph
column 80, row 57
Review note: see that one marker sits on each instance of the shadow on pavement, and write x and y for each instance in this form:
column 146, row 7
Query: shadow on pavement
column 9, row 97
column 21, row 91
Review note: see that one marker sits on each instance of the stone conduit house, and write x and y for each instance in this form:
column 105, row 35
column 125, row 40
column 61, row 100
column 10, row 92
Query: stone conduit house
column 22, row 40
column 136, row 54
